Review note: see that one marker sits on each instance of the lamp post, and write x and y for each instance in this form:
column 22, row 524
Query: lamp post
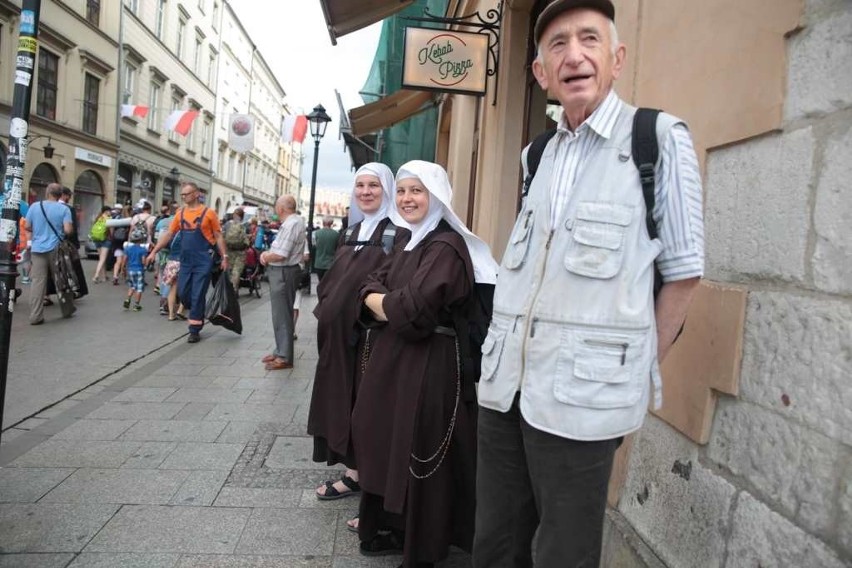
column 13, row 181
column 319, row 121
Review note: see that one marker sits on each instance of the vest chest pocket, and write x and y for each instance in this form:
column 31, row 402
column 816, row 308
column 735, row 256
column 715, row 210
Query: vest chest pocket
column 519, row 241
column 601, row 371
column 597, row 247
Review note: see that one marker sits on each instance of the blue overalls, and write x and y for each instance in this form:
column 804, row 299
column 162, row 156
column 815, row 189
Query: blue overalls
column 195, row 266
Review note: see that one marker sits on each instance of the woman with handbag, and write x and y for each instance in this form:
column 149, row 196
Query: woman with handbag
column 414, row 422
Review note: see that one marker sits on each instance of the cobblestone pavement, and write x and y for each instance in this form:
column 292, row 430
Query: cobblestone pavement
column 193, row 456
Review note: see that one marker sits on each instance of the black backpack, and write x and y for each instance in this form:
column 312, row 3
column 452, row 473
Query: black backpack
column 645, row 151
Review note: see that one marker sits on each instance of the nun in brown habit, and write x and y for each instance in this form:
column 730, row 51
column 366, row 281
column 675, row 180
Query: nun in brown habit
column 414, row 425
column 340, row 343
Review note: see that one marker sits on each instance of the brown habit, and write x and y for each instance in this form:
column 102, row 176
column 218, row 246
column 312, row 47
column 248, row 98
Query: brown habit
column 338, row 367
column 407, row 400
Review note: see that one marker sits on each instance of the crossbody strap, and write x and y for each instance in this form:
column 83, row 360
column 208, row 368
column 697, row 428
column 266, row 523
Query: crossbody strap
column 47, row 220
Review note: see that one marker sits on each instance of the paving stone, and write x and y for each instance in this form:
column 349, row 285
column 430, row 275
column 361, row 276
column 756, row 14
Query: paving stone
column 138, row 486
column 137, row 410
column 200, row 488
column 263, row 397
column 35, row 560
column 248, row 497
column 253, row 412
column 10, row 434
column 94, row 430
column 253, row 561
column 143, row 528
column 175, row 431
column 237, row 432
column 195, row 411
column 50, row 527
column 173, row 381
column 150, row 455
column 178, row 370
column 239, row 370
column 364, row 562
column 28, row 485
column 192, row 455
column 77, row 453
column 207, row 360
column 291, row 453
column 224, row 382
column 259, row 384
column 32, row 423
column 144, row 394
column 209, row 395
column 125, row 560
column 346, row 541
column 289, row 531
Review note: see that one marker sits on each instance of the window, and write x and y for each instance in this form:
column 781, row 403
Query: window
column 205, row 139
column 133, row 6
column 215, row 15
column 175, row 106
column 201, row 6
column 93, row 12
column 224, row 116
column 48, row 82
column 129, row 84
column 231, row 159
column 220, row 167
column 190, row 137
column 154, row 103
column 161, row 18
column 198, row 54
column 211, row 70
column 91, row 93
column 180, row 38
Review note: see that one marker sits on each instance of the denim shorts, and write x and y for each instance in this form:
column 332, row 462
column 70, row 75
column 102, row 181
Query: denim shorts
column 136, row 280
column 101, row 244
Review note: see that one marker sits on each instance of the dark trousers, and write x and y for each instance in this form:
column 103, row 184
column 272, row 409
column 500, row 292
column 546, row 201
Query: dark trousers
column 526, row 480
column 193, row 280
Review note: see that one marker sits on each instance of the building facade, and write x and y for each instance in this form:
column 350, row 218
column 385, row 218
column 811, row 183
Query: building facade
column 266, row 105
column 749, row 462
column 169, row 61
column 74, row 97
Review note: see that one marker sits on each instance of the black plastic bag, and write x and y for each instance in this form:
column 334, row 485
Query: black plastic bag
column 224, row 307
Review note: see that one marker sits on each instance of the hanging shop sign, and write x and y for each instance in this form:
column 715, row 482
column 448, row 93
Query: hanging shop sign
column 445, row 60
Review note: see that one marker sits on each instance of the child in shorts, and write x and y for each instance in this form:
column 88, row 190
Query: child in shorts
column 135, row 252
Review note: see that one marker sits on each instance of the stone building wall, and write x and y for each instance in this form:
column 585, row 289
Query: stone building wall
column 773, row 487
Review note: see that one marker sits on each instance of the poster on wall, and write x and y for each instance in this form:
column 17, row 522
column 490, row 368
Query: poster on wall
column 241, row 133
column 445, row 60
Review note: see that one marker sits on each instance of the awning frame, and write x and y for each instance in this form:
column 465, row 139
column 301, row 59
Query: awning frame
column 361, row 14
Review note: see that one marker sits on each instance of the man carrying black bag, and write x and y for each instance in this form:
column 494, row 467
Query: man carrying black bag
column 224, row 307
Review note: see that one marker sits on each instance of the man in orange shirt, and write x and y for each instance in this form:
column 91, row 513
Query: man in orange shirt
column 198, row 231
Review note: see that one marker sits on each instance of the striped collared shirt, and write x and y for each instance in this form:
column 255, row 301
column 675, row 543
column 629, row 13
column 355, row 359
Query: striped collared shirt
column 678, row 205
column 290, row 241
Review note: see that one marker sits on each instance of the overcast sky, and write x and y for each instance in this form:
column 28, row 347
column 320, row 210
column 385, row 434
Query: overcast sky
column 293, row 39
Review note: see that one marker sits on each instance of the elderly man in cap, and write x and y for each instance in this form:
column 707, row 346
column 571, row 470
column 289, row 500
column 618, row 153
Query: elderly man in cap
column 571, row 359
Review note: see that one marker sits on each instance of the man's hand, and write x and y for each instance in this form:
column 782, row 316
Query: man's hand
column 263, row 260
column 150, row 258
column 224, row 264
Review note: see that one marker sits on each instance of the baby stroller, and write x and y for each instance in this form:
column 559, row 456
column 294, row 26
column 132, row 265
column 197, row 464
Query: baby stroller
column 250, row 278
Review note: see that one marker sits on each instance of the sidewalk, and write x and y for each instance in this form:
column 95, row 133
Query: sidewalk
column 194, row 456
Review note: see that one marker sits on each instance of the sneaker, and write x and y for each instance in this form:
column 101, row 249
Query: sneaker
column 156, row 289
column 164, row 311
column 115, row 281
column 193, row 338
column 26, row 280
column 137, row 308
column 126, row 304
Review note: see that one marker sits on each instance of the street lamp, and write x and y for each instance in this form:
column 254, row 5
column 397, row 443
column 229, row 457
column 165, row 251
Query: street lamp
column 319, row 121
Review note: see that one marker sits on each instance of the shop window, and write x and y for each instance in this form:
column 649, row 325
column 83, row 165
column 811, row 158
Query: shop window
column 48, row 84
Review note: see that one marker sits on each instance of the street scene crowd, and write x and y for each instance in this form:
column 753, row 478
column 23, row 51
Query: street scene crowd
column 473, row 404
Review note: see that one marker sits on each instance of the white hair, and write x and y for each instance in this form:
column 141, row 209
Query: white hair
column 613, row 41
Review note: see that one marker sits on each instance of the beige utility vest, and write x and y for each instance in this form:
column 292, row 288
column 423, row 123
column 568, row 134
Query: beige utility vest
column 573, row 327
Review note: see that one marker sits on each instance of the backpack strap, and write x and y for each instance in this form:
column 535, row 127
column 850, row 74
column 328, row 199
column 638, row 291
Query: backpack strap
column 534, row 155
column 388, row 236
column 646, row 151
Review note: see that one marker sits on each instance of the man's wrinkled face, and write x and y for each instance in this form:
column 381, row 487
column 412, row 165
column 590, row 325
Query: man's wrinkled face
column 576, row 63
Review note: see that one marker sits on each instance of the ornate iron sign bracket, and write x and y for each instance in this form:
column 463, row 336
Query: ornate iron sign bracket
column 489, row 25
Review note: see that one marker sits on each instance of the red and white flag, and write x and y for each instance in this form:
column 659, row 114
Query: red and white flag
column 134, row 110
column 180, row 121
column 294, row 128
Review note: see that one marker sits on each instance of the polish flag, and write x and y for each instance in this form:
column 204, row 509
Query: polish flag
column 294, row 128
column 180, row 121
column 134, row 110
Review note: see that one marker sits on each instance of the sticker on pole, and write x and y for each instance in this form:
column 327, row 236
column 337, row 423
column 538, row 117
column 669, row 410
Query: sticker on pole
column 28, row 22
column 27, row 44
column 25, row 61
column 18, row 128
column 23, row 78
column 8, row 230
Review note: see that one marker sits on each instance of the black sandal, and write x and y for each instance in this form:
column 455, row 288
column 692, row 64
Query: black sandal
column 331, row 492
column 382, row 544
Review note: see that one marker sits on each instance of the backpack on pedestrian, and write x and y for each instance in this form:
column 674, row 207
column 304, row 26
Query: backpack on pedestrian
column 139, row 232
column 99, row 230
column 235, row 236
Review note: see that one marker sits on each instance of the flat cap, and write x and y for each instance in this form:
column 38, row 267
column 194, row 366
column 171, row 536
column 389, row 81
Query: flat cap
column 556, row 7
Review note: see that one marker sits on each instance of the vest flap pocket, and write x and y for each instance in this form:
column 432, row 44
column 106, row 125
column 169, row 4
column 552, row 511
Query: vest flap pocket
column 492, row 348
column 519, row 241
column 601, row 212
column 599, row 235
column 604, row 372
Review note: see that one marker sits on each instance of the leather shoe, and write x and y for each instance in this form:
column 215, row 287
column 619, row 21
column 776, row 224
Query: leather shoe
column 277, row 365
column 268, row 358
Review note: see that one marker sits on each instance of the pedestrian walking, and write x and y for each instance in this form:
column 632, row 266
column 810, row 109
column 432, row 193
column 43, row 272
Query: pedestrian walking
column 74, row 239
column 282, row 269
column 199, row 232
column 341, row 343
column 135, row 250
column 236, row 243
column 46, row 220
column 325, row 243
column 99, row 235
column 414, row 422
column 572, row 355
column 118, row 236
